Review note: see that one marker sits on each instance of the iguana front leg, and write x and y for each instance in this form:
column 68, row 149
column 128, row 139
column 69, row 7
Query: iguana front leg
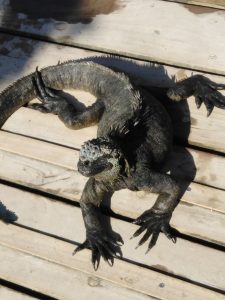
column 203, row 89
column 156, row 219
column 66, row 111
column 101, row 242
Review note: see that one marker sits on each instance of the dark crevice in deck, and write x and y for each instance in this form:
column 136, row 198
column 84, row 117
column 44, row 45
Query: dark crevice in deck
column 109, row 213
column 209, row 151
column 208, row 6
column 24, row 290
column 180, row 142
column 47, row 234
column 175, row 276
column 39, row 193
column 201, row 241
column 213, row 187
column 158, row 270
column 41, row 140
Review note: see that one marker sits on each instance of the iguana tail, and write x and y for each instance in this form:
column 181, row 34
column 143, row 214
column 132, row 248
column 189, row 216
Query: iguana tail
column 94, row 78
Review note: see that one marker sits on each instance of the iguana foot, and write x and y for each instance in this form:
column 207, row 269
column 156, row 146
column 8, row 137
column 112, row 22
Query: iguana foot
column 44, row 108
column 153, row 223
column 50, row 101
column 204, row 90
column 101, row 245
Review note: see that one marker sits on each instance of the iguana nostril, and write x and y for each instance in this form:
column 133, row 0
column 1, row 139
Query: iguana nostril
column 86, row 163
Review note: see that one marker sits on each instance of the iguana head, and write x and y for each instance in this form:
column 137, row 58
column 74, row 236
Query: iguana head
column 100, row 158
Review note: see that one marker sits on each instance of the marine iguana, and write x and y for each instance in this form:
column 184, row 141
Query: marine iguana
column 133, row 139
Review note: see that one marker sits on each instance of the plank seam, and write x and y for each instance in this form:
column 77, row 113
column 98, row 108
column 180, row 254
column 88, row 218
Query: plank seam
column 178, row 277
column 49, row 40
column 109, row 213
column 178, row 143
column 24, row 290
column 207, row 5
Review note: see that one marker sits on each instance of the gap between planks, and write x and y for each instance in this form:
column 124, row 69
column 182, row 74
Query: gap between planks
column 209, row 135
column 31, row 168
column 206, row 224
column 209, row 174
column 58, row 281
column 215, row 4
column 124, row 274
column 10, row 294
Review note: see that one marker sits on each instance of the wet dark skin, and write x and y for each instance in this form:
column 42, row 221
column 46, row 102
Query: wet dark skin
column 133, row 140
column 128, row 158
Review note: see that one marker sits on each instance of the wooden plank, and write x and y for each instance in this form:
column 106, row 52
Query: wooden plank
column 58, row 281
column 66, row 159
column 66, row 183
column 204, row 132
column 9, row 294
column 205, row 3
column 209, row 167
column 66, row 221
column 132, row 204
column 76, row 273
column 61, row 181
column 20, row 56
column 156, row 38
column 183, row 160
column 204, row 196
column 210, row 129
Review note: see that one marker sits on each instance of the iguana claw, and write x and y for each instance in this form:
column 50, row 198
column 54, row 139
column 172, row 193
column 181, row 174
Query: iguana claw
column 50, row 101
column 203, row 89
column 101, row 245
column 153, row 223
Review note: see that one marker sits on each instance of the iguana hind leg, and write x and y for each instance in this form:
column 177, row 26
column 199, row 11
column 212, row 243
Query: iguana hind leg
column 66, row 111
column 203, row 89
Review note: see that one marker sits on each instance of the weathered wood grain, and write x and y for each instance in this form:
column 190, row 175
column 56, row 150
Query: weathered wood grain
column 203, row 3
column 50, row 261
column 66, row 221
column 51, row 169
column 182, row 163
column 146, row 31
column 129, row 204
column 42, row 263
column 57, row 280
column 66, row 183
column 204, row 132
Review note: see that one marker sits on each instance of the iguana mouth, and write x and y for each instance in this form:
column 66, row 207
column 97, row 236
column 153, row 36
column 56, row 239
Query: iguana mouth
column 88, row 169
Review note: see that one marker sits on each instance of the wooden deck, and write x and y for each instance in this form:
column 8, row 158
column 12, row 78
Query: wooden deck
column 161, row 41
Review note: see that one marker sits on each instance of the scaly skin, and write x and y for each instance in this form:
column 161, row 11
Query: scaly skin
column 134, row 138
column 83, row 75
